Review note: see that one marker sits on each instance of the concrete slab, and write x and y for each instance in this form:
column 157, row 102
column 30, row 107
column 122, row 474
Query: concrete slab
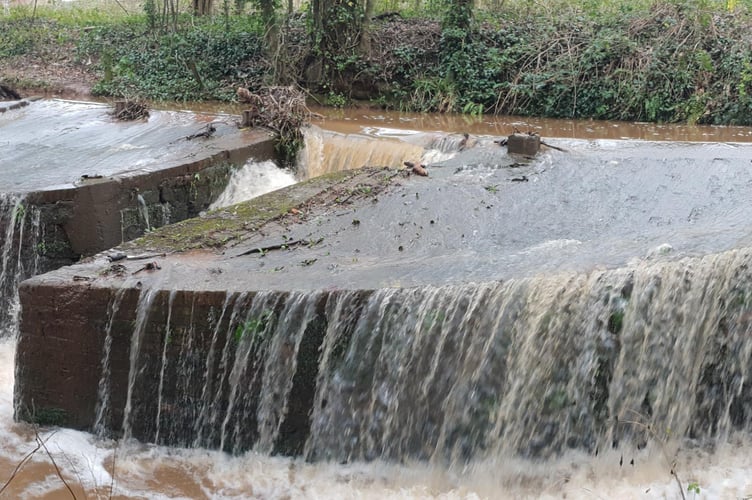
column 53, row 144
column 73, row 181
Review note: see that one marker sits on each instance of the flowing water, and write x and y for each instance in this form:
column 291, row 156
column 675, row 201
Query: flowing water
column 254, row 179
column 577, row 385
column 19, row 254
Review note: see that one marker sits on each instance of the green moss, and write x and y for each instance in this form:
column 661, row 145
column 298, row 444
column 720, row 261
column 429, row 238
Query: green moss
column 616, row 322
column 221, row 227
column 49, row 416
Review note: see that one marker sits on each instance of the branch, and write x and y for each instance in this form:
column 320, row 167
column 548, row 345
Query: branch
column 20, row 466
column 57, row 469
column 279, row 246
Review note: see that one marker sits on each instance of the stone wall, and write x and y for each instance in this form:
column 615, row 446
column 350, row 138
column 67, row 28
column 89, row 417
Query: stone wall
column 103, row 212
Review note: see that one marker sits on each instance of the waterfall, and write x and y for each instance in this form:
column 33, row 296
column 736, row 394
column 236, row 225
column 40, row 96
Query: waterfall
column 252, row 180
column 105, row 381
column 21, row 230
column 656, row 351
column 327, row 152
column 143, row 211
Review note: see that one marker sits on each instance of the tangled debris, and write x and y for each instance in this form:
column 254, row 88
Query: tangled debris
column 278, row 108
column 281, row 109
column 130, row 110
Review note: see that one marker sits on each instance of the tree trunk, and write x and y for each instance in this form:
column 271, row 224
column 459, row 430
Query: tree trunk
column 365, row 31
column 202, row 7
column 335, row 34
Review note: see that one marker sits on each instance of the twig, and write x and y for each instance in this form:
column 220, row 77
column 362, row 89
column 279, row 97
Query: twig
column 557, row 148
column 57, row 469
column 20, row 466
column 655, row 436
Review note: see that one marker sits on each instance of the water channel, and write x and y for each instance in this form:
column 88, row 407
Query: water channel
column 720, row 471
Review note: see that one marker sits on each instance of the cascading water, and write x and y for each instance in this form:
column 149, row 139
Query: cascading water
column 318, row 157
column 21, row 231
column 327, row 152
column 533, row 386
column 524, row 368
column 105, row 382
column 253, row 179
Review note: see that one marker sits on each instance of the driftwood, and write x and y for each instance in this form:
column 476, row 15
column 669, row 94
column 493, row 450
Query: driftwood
column 205, row 132
column 417, row 168
column 279, row 246
column 282, row 109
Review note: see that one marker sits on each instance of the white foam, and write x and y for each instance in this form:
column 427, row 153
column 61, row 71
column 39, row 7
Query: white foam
column 252, row 180
column 157, row 473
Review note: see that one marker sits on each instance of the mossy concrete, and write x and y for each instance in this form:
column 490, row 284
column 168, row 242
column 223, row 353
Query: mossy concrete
column 52, row 380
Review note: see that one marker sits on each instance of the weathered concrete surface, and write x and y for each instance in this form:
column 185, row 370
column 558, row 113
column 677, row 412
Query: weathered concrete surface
column 98, row 182
column 476, row 218
column 48, row 369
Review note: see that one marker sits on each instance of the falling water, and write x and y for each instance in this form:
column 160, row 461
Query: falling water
column 524, row 368
column 207, row 418
column 166, row 343
column 21, row 231
column 143, row 211
column 327, row 152
column 105, row 382
column 253, row 179
column 143, row 309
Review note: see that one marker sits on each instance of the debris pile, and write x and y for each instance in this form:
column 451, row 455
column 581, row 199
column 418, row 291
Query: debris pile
column 130, row 110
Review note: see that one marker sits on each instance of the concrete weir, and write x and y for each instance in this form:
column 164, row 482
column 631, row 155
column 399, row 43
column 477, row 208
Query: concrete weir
column 97, row 182
column 74, row 181
column 497, row 306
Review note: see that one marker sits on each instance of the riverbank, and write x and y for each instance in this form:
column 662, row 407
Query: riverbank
column 658, row 62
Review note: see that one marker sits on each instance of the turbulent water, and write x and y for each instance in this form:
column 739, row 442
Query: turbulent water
column 254, row 179
column 142, row 471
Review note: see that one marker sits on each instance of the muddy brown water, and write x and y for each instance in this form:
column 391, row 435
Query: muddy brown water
column 98, row 469
column 382, row 123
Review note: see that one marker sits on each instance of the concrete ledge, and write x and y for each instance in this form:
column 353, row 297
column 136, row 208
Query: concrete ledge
column 98, row 183
column 199, row 327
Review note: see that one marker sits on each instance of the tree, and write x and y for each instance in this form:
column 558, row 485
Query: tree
column 202, row 7
column 336, row 28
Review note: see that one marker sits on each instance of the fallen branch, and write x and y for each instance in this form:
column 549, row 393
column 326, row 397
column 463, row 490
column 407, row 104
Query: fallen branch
column 20, row 466
column 206, row 132
column 124, row 256
column 557, row 148
column 279, row 246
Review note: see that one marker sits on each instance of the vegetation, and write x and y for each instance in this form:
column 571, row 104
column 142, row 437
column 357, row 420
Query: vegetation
column 649, row 60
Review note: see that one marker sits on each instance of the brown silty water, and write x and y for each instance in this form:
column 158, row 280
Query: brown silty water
column 616, row 313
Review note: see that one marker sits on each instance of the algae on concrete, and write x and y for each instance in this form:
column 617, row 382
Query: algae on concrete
column 229, row 225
